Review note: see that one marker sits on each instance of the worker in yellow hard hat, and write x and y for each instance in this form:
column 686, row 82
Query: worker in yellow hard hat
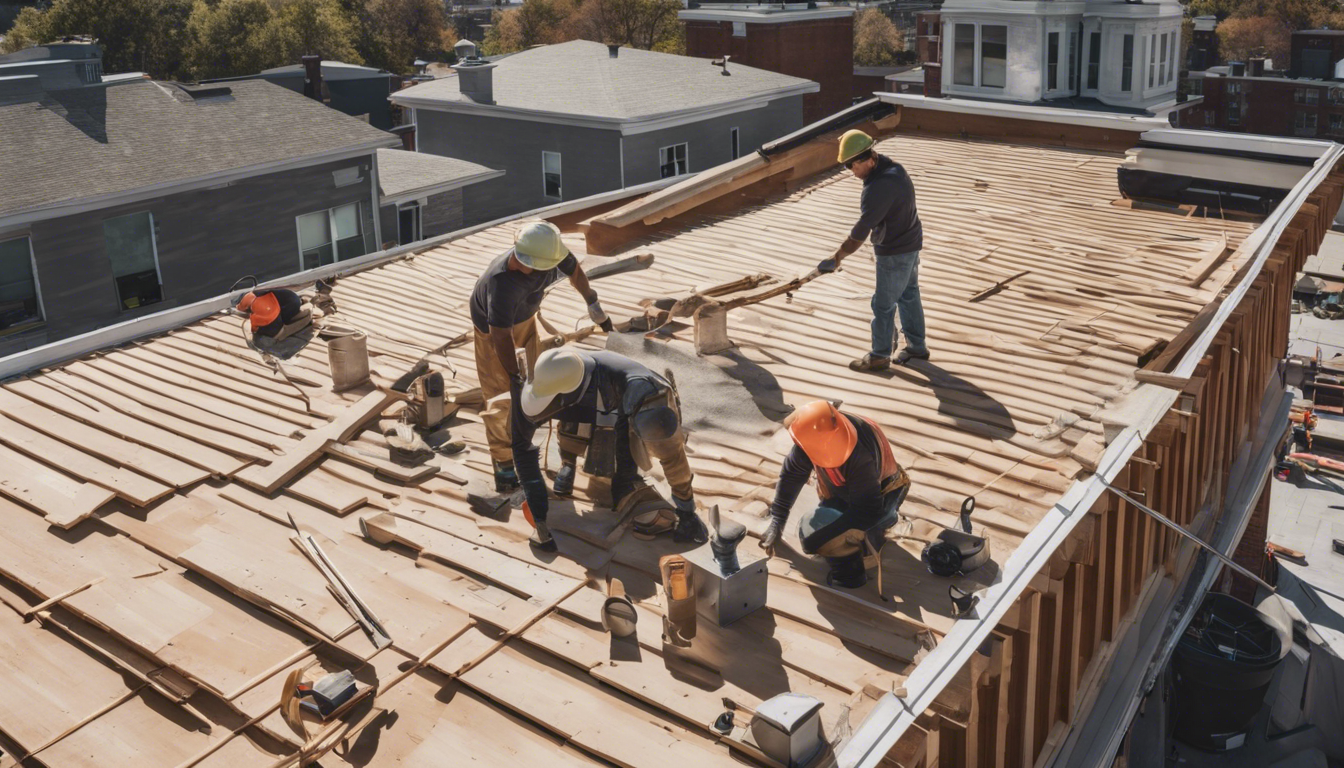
column 620, row 410
column 503, row 312
column 860, row 484
column 887, row 212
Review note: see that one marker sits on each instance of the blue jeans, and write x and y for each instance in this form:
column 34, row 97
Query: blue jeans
column 898, row 289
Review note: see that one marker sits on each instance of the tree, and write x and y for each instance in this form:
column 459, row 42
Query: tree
column 136, row 35
column 1241, row 38
column 30, row 28
column 876, row 40
column 320, row 27
column 637, row 23
column 403, row 31
column 505, row 34
column 227, row 39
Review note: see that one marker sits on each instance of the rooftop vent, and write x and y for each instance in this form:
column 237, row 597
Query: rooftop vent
column 613, row 51
column 474, row 76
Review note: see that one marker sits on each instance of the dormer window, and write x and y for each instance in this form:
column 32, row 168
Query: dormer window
column 980, row 55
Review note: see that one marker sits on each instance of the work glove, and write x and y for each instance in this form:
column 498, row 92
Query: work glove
column 599, row 316
column 828, row 266
column 772, row 533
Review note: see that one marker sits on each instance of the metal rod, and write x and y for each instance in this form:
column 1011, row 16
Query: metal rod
column 1159, row 517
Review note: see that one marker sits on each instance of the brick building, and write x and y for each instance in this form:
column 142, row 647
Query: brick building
column 1247, row 98
column 792, row 39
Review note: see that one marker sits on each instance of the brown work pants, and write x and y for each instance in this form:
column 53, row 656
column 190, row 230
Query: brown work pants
column 670, row 453
column 495, row 382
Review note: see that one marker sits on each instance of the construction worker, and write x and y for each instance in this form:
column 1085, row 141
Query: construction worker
column 503, row 311
column 641, row 413
column 858, row 480
column 273, row 314
column 887, row 210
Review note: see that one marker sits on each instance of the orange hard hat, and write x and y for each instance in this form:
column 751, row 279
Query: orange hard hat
column 245, row 303
column 265, row 309
column 826, row 436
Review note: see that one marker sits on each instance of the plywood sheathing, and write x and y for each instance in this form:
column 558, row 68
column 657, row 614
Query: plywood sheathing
column 1013, row 398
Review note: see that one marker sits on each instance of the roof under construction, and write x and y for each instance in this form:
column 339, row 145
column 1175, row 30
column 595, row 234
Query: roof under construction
column 147, row 491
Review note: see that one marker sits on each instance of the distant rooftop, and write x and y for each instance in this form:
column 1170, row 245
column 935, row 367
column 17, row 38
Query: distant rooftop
column 403, row 174
column 332, row 70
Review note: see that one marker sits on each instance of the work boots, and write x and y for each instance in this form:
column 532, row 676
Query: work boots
column 506, row 478
column 564, row 480
column 682, row 522
column 846, row 572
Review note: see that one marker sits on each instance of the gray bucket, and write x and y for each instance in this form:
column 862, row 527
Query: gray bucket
column 348, row 351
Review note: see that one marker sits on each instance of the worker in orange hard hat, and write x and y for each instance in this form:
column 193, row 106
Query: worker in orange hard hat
column 271, row 311
column 860, row 484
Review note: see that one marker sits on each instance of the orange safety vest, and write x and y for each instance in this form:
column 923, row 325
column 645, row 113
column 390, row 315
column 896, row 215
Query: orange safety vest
column 893, row 475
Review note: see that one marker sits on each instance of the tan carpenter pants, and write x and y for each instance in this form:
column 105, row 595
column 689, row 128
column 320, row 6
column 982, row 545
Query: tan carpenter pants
column 670, row 453
column 495, row 386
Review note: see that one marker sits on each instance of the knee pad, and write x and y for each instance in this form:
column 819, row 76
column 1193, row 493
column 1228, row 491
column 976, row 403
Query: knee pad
column 812, row 523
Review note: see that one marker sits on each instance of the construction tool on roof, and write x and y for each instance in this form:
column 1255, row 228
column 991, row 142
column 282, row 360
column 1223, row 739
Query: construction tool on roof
column 728, row 584
column 618, row 612
column 679, row 614
column 963, row 602
column 426, row 404
column 957, row 552
column 785, row 729
column 341, row 589
column 725, row 535
column 348, row 354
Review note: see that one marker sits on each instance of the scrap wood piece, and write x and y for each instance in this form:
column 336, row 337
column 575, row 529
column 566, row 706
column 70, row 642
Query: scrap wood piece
column 381, row 467
column 62, row 500
column 341, row 589
column 270, row 477
column 1214, row 257
column 995, row 288
column 1170, row 381
column 1286, row 552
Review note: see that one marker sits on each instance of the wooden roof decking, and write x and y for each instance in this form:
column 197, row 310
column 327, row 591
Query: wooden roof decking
column 189, row 584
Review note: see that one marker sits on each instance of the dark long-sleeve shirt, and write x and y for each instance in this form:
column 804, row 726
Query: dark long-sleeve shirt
column 887, row 210
column 861, row 490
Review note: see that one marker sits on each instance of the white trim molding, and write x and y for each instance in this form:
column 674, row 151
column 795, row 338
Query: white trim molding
column 436, row 189
column 764, row 15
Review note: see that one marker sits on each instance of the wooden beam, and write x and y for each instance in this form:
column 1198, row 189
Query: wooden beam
column 269, row 478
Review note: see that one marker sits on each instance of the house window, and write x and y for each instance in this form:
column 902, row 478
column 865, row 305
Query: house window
column 1208, row 117
column 20, row 304
column 550, row 175
column 739, row 29
column 993, row 55
column 135, row 260
column 1052, row 62
column 1073, row 61
column 672, row 160
column 736, row 147
column 1309, row 96
column 329, row 236
column 1336, row 95
column 1234, row 114
column 963, row 55
column 1094, row 61
column 1152, row 58
column 1232, row 88
column 1304, row 123
column 1171, row 75
column 1162, row 70
column 1127, row 64
column 1336, row 122
column 408, row 223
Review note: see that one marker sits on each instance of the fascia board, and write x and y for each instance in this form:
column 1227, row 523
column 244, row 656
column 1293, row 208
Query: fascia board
column 84, row 204
column 1032, row 113
column 765, row 17
column 888, row 721
column 955, row 9
column 435, row 189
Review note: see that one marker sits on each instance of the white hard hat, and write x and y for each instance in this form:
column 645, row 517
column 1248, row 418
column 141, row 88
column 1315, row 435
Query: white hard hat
column 538, row 246
column 557, row 372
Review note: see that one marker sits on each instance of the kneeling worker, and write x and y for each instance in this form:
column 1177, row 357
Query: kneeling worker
column 275, row 314
column 608, row 391
column 860, row 484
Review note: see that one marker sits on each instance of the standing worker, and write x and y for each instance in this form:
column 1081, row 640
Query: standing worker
column 639, row 412
column 887, row 210
column 503, row 311
column 860, row 484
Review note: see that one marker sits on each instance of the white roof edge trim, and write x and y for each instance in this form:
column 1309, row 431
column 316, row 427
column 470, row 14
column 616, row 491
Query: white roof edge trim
column 764, row 17
column 28, row 360
column 83, row 204
column 887, row 722
column 1072, row 117
column 435, row 189
column 1178, row 137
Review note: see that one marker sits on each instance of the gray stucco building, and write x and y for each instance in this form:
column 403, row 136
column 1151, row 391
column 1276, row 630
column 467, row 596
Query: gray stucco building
column 580, row 118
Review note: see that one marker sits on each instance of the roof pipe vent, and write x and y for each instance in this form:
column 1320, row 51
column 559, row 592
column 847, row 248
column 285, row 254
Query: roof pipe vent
column 787, row 729
column 474, row 76
column 613, row 51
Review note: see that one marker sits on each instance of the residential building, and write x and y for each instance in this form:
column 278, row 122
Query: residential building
column 806, row 40
column 911, row 81
column 575, row 119
column 1121, row 355
column 870, row 80
column 1203, row 50
column 422, row 195
column 1305, row 100
column 357, row 91
column 126, row 197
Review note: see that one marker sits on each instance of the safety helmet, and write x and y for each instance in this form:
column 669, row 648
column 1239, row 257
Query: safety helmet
column 264, row 309
column 557, row 372
column 538, row 246
column 852, row 144
column 824, row 434
column 655, row 423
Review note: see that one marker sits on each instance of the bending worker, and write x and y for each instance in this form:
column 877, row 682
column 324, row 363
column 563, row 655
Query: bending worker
column 887, row 210
column 860, row 484
column 503, row 310
column 275, row 314
column 640, row 408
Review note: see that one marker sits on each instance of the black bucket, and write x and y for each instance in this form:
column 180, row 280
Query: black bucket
column 1223, row 666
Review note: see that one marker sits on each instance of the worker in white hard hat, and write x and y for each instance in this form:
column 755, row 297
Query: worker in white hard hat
column 887, row 211
column 503, row 311
column 620, row 401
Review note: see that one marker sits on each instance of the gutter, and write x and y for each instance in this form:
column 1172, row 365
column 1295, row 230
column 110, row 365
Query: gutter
column 60, row 351
column 1029, row 112
column 889, row 720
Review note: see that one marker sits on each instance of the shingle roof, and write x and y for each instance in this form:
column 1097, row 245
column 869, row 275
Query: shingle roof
column 581, row 78
column 400, row 172
column 92, row 142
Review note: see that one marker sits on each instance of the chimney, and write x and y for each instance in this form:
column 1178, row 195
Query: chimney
column 474, row 76
column 407, row 135
column 613, row 51
column 1236, row 68
column 312, row 77
column 1255, row 67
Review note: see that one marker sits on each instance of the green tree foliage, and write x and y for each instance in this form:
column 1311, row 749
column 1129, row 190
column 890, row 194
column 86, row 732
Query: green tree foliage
column 30, row 28
column 403, row 31
column 312, row 27
column 636, row 23
column 136, row 35
column 1241, row 38
column 647, row 24
column 876, row 40
column 229, row 38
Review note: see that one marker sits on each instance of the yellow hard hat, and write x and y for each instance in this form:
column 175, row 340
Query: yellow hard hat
column 538, row 246
column 852, row 144
column 557, row 372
